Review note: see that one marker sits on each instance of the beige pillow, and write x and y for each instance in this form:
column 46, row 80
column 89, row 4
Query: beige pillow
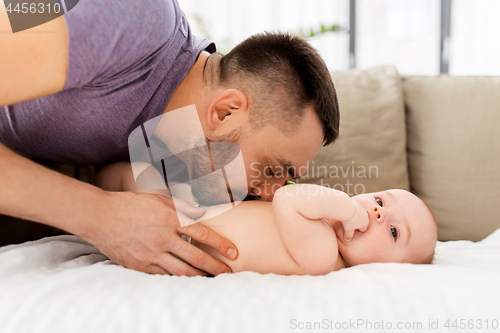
column 370, row 153
column 453, row 126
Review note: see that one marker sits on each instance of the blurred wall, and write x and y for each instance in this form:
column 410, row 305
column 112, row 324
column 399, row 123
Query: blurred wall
column 404, row 33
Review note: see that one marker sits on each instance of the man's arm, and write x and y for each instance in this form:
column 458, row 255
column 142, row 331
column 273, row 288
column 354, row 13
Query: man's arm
column 305, row 215
column 138, row 231
column 119, row 177
column 32, row 63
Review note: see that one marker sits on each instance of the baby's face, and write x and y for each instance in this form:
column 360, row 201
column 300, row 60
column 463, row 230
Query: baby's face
column 401, row 229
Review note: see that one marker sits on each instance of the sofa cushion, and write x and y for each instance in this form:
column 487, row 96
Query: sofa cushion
column 370, row 153
column 453, row 126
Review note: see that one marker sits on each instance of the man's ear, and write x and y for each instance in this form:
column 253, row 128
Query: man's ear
column 228, row 108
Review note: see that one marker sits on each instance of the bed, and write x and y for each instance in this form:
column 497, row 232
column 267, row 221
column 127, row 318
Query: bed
column 436, row 136
column 63, row 284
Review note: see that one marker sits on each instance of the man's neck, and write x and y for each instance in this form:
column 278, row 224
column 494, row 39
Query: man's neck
column 190, row 90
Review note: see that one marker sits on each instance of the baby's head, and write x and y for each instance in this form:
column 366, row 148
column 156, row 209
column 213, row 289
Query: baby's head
column 401, row 229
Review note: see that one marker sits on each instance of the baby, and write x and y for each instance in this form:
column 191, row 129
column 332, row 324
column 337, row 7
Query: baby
column 309, row 229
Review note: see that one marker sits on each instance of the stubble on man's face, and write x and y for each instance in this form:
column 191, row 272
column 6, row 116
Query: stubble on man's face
column 210, row 159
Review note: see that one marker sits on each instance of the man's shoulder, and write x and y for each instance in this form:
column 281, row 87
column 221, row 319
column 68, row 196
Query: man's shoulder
column 110, row 39
column 155, row 19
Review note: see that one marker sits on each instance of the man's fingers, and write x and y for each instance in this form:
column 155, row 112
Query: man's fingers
column 190, row 211
column 200, row 259
column 154, row 269
column 178, row 267
column 184, row 211
column 207, row 236
column 203, row 261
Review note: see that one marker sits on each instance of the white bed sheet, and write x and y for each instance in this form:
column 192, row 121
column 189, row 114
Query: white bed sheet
column 63, row 284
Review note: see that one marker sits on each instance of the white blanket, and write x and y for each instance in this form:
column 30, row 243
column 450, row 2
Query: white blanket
column 63, row 284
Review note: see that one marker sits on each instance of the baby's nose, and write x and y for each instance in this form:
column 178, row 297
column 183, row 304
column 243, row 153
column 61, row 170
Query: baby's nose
column 377, row 214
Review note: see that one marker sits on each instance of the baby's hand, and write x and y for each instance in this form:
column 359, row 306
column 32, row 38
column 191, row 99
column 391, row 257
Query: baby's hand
column 359, row 221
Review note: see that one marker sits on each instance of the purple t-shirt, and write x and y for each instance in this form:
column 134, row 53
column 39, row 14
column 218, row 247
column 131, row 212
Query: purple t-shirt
column 126, row 59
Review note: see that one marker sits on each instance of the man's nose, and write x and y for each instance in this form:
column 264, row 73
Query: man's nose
column 264, row 193
column 377, row 214
column 267, row 196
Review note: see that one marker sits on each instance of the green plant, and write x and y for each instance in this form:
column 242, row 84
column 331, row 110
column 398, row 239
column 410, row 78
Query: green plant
column 323, row 29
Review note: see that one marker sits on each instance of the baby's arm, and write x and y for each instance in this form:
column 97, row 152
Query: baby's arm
column 119, row 177
column 305, row 215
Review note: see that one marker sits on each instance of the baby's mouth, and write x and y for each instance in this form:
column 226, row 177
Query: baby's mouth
column 340, row 233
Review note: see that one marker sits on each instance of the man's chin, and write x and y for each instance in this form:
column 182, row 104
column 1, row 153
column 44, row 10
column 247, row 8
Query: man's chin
column 251, row 197
column 212, row 199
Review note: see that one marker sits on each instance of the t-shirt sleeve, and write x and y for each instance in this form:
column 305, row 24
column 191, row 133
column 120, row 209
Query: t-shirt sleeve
column 113, row 38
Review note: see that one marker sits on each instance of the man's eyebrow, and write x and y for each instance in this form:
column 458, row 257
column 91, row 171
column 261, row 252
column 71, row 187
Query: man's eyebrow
column 287, row 165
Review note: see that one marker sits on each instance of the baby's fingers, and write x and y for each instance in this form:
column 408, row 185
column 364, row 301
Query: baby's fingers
column 348, row 235
column 363, row 227
column 364, row 222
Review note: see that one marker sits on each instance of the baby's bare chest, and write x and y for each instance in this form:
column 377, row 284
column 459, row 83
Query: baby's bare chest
column 252, row 229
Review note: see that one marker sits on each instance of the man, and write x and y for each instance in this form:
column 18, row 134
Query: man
column 74, row 93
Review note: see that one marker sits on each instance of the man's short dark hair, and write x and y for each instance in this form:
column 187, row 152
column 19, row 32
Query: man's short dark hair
column 285, row 73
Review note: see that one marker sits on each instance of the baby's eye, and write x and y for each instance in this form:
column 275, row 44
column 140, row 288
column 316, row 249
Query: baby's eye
column 394, row 232
column 379, row 201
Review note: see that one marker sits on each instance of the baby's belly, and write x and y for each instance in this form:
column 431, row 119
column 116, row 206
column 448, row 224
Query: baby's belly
column 251, row 227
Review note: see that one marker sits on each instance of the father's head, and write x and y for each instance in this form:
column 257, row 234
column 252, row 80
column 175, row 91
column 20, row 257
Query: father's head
column 274, row 97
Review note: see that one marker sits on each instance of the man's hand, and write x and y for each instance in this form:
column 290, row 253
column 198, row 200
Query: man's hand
column 142, row 231
column 359, row 221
